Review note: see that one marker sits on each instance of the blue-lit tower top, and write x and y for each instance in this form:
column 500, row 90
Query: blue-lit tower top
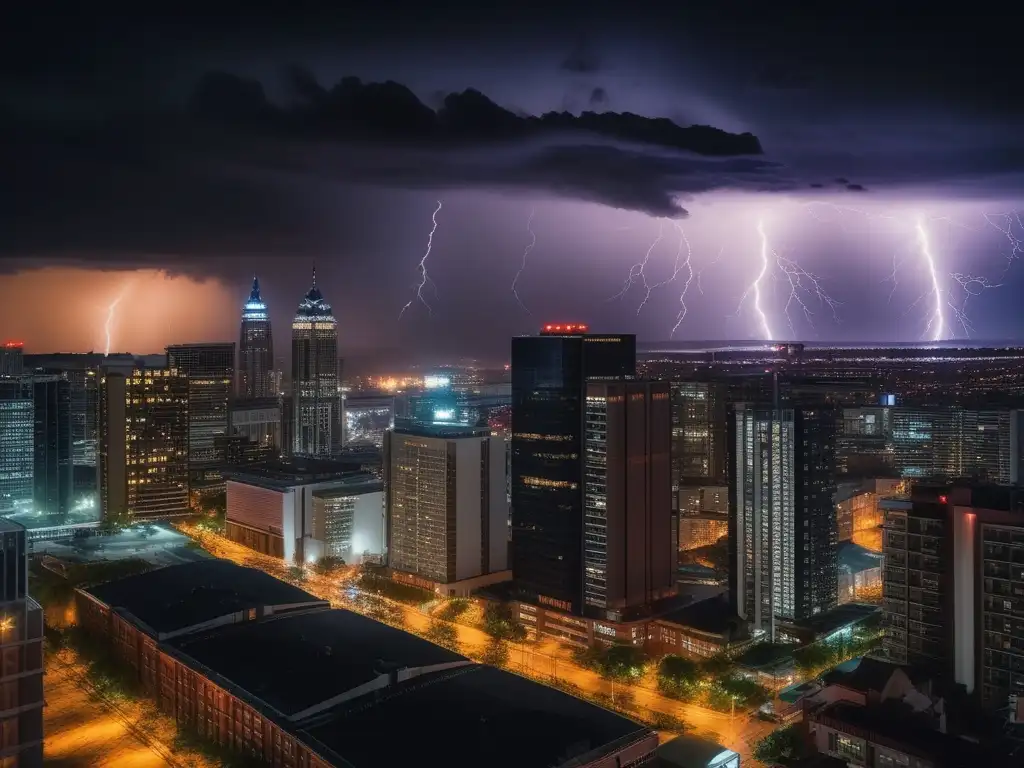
column 255, row 308
column 313, row 307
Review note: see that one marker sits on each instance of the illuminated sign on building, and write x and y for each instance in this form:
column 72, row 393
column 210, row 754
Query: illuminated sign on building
column 436, row 382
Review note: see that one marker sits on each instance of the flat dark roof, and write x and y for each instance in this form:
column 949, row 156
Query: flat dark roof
column 295, row 662
column 284, row 474
column 444, row 430
column 713, row 615
column 472, row 716
column 180, row 596
column 836, row 618
column 359, row 483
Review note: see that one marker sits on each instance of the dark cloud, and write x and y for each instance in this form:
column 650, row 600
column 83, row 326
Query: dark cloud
column 598, row 96
column 856, row 188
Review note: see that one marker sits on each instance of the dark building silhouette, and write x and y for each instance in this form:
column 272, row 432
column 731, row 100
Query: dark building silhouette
column 549, row 389
column 256, row 348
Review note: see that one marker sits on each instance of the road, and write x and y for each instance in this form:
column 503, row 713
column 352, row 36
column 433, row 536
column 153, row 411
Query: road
column 544, row 662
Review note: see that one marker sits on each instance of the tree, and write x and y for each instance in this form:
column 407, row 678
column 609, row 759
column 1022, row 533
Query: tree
column 496, row 653
column 619, row 662
column 444, row 634
column 663, row 722
column 500, row 622
column 781, row 744
column 296, row 573
column 453, row 609
column 678, row 676
column 328, row 566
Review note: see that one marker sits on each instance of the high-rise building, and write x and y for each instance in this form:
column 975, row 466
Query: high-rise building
column 258, row 421
column 628, row 559
column 782, row 529
column 256, row 349
column 953, row 592
column 12, row 358
column 446, row 507
column 698, row 434
column 549, row 388
column 53, row 476
column 142, row 468
column 21, row 646
column 316, row 396
column 17, row 452
column 210, row 369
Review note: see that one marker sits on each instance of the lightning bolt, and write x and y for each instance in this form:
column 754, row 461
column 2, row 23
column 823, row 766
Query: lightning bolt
column 108, row 325
column 1003, row 222
column 526, row 252
column 424, row 277
column 638, row 270
column 680, row 264
column 718, row 258
column 754, row 289
column 937, row 321
column 972, row 286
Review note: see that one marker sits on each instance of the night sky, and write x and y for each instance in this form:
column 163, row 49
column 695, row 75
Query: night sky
column 164, row 160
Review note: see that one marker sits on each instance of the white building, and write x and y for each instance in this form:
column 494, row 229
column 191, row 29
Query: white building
column 447, row 509
column 305, row 510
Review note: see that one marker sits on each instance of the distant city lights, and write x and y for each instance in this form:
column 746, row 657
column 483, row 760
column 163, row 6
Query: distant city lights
column 436, row 382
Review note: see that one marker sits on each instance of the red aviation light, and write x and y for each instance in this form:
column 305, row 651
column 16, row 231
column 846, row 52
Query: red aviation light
column 564, row 328
column 14, row 344
column 943, row 499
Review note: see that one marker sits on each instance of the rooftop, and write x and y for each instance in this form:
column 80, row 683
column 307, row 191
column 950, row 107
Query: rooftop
column 282, row 474
column 713, row 615
column 892, row 724
column 473, row 716
column 845, row 615
column 358, row 484
column 296, row 662
column 439, row 430
column 177, row 597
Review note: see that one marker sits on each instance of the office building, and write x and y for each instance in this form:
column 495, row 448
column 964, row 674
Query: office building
column 628, row 559
column 549, row 386
column 316, row 396
column 272, row 508
column 954, row 443
column 257, row 421
column 21, row 646
column 256, row 349
column 953, row 591
column 782, row 531
column 349, row 519
column 142, row 467
column 447, row 512
column 12, row 356
column 210, row 370
column 703, row 518
column 52, row 467
column 17, row 451
column 859, row 515
column 698, row 434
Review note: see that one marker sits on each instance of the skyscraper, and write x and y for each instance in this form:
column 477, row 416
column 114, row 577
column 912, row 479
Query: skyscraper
column 628, row 558
column 210, row 369
column 316, row 396
column 256, row 349
column 698, row 434
column 447, row 512
column 782, row 531
column 12, row 358
column 549, row 387
column 142, row 467
column 17, row 458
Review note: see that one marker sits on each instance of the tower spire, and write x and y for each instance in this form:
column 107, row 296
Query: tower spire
column 314, row 274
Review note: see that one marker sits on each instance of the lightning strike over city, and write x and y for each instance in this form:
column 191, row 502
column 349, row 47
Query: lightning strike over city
column 108, row 326
column 639, row 271
column 526, row 252
column 424, row 277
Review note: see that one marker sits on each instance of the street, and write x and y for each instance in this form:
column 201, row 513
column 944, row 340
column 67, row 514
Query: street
column 541, row 662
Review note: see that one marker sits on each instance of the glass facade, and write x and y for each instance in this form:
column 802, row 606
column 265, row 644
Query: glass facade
column 418, row 507
column 698, row 434
column 549, row 374
column 1002, row 646
column 595, row 499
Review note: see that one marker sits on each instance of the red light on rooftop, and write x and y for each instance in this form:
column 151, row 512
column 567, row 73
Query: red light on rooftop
column 943, row 499
column 14, row 344
column 564, row 328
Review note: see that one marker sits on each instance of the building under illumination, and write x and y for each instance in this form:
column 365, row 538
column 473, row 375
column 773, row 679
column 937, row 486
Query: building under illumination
column 783, row 540
column 698, row 433
column 549, row 390
column 447, row 512
column 17, row 456
column 348, row 520
column 142, row 467
column 210, row 369
column 256, row 349
column 12, row 356
column 366, row 419
column 316, row 396
column 258, row 421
